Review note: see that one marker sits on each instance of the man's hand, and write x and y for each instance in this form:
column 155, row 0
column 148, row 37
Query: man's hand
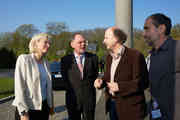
column 113, row 86
column 98, row 82
column 51, row 112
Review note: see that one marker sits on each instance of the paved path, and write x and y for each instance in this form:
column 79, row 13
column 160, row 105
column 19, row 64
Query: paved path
column 7, row 110
column 7, row 73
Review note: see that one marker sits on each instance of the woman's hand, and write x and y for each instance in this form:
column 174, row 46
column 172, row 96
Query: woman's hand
column 25, row 117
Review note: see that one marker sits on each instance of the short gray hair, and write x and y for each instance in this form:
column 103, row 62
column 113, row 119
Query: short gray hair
column 35, row 39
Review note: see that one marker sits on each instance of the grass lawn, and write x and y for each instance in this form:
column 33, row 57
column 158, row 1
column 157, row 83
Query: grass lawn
column 6, row 87
column 6, row 95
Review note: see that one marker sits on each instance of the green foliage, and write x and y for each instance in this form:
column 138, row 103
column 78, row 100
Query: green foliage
column 68, row 51
column 8, row 58
column 5, row 38
column 63, row 40
column 55, row 28
column 27, row 30
column 175, row 32
column 19, row 44
column 100, row 53
column 6, row 85
column 96, row 36
column 18, row 41
column 60, row 46
column 139, row 42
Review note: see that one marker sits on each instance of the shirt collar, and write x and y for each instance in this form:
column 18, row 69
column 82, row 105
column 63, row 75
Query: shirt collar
column 163, row 47
column 120, row 53
column 76, row 55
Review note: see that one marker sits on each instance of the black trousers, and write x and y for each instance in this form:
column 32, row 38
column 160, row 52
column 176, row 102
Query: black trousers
column 111, row 108
column 75, row 114
column 37, row 114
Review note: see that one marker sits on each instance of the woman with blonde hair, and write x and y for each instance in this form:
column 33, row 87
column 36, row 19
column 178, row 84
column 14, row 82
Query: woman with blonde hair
column 33, row 86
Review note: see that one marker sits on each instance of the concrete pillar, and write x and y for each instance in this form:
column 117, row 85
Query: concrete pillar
column 124, row 18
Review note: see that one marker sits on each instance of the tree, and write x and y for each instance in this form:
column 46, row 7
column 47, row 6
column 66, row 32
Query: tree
column 175, row 32
column 27, row 30
column 8, row 58
column 19, row 44
column 55, row 28
column 139, row 42
column 97, row 36
column 5, row 39
column 60, row 42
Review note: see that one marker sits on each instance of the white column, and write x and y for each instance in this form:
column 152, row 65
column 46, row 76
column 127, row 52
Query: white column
column 124, row 18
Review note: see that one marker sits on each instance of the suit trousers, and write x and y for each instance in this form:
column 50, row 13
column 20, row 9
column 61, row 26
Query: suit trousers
column 112, row 109
column 37, row 114
column 75, row 114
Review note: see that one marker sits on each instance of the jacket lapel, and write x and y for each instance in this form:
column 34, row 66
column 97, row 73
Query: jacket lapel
column 74, row 65
column 85, row 64
column 36, row 69
column 121, row 63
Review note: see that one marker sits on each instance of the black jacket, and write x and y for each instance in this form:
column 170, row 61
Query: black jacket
column 80, row 93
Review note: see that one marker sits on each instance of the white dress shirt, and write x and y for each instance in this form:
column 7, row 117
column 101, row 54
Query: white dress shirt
column 115, row 61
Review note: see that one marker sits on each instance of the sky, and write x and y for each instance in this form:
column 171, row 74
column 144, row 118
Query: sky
column 78, row 14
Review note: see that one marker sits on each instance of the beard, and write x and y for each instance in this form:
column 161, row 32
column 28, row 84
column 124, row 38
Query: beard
column 149, row 42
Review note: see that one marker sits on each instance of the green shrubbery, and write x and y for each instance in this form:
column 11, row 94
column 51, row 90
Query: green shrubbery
column 7, row 59
column 6, row 87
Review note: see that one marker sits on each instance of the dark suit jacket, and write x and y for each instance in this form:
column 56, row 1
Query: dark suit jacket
column 80, row 93
column 177, row 83
column 132, row 78
column 164, row 74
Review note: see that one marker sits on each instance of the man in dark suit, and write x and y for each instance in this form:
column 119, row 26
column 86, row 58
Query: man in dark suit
column 79, row 70
column 164, row 71
column 125, row 78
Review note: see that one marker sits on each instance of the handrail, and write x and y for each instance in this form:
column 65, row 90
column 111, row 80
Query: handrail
column 3, row 100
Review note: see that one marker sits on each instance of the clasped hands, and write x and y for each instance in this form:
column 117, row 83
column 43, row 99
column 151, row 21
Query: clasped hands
column 113, row 86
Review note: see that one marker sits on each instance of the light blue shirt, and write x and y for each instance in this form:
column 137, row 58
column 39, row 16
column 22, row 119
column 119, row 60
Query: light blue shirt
column 43, row 81
column 82, row 57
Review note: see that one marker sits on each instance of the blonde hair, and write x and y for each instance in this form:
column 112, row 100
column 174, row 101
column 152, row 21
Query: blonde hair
column 36, row 38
